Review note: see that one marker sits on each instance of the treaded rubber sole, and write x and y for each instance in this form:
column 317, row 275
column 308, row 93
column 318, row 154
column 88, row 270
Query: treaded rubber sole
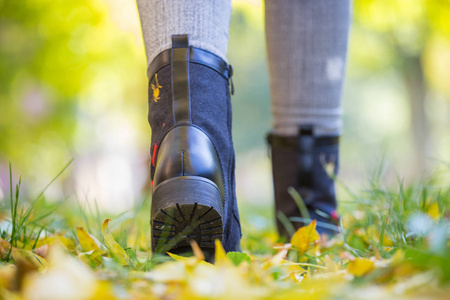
column 185, row 209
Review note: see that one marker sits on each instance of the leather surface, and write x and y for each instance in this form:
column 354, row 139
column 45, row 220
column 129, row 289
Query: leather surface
column 187, row 151
column 291, row 143
column 304, row 145
column 180, row 79
column 197, row 56
column 298, row 162
column 305, row 157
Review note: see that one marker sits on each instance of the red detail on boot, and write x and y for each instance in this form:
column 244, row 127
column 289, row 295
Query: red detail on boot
column 335, row 215
column 153, row 156
column 156, row 146
column 151, row 183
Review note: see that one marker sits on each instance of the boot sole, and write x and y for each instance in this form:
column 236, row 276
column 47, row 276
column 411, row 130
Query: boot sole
column 185, row 209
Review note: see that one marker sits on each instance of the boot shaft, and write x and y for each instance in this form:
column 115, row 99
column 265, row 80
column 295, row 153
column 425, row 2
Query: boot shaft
column 189, row 86
column 192, row 148
column 300, row 163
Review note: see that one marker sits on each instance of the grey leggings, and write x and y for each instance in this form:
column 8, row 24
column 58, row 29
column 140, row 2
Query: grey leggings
column 306, row 42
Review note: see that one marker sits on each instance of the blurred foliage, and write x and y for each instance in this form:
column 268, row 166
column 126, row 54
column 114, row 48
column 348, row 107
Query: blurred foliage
column 393, row 245
column 387, row 35
column 399, row 62
column 247, row 54
column 55, row 58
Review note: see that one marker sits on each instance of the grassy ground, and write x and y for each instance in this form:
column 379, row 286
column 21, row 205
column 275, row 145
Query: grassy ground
column 394, row 244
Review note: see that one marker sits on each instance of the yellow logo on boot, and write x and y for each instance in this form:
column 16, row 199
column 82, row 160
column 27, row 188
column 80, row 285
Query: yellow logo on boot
column 155, row 89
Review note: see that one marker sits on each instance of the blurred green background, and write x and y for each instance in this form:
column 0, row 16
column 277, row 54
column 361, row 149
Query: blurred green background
column 73, row 84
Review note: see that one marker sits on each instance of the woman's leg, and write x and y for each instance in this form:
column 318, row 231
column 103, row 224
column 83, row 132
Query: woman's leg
column 307, row 48
column 206, row 21
column 192, row 166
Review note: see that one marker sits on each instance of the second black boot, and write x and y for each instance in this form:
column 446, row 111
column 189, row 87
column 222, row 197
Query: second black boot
column 298, row 162
column 192, row 155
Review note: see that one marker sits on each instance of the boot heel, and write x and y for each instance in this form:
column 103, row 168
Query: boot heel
column 183, row 209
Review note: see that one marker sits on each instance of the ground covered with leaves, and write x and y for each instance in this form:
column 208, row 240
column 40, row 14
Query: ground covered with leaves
column 393, row 244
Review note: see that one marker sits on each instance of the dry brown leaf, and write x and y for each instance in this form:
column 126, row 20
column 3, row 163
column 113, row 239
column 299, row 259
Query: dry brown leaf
column 42, row 251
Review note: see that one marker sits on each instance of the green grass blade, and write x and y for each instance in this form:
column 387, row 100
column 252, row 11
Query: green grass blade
column 37, row 237
column 34, row 202
column 299, row 201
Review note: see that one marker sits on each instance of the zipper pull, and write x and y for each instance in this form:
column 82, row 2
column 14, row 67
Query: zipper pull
column 230, row 80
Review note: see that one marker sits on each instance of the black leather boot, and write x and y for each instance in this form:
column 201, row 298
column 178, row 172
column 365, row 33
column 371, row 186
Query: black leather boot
column 299, row 162
column 192, row 166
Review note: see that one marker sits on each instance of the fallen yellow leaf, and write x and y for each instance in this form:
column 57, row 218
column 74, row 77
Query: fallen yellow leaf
column 220, row 254
column 66, row 278
column 4, row 248
column 173, row 271
column 36, row 261
column 433, row 211
column 275, row 260
column 89, row 245
column 114, row 248
column 86, row 241
column 398, row 257
column 360, row 266
column 7, row 275
column 304, row 237
column 331, row 265
column 293, row 270
column 104, row 290
column 66, row 243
